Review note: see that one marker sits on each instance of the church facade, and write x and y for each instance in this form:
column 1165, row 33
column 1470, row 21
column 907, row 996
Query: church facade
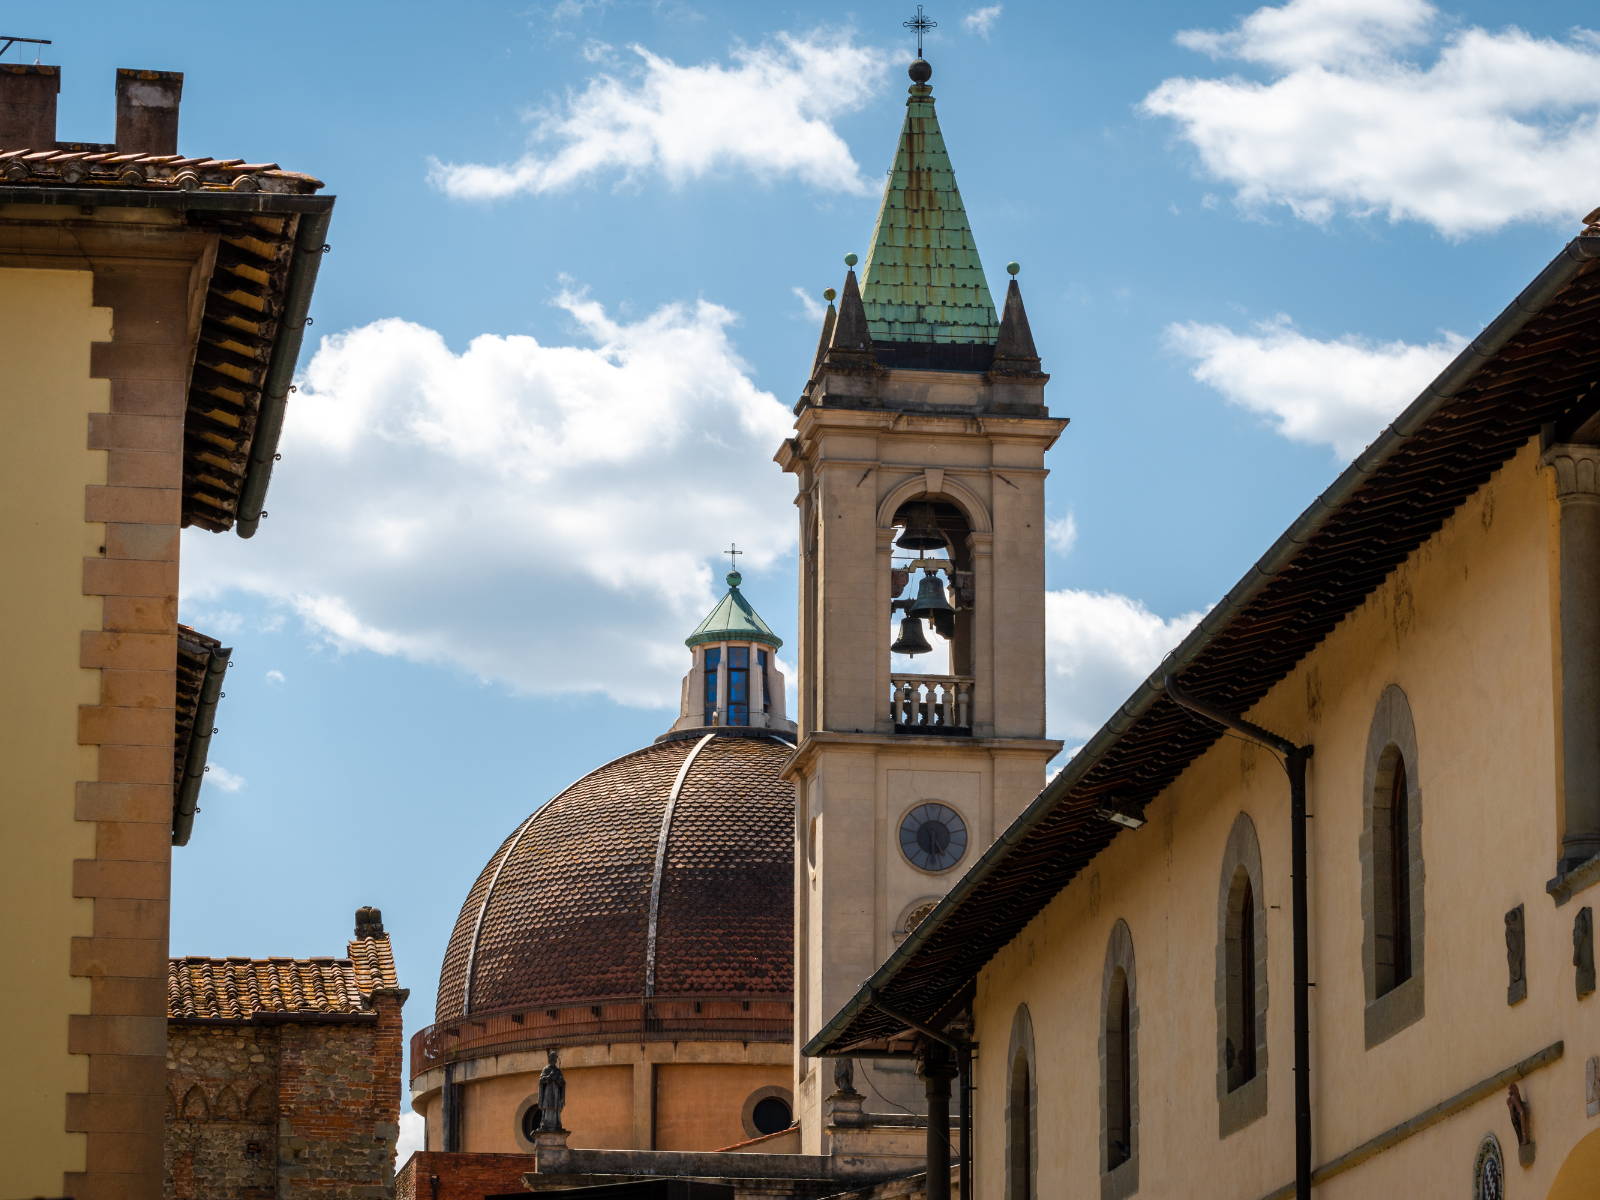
column 1315, row 906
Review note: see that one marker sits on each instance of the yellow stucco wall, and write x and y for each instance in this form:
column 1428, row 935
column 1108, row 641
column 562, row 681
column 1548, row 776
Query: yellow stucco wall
column 1464, row 629
column 698, row 1107
column 47, row 322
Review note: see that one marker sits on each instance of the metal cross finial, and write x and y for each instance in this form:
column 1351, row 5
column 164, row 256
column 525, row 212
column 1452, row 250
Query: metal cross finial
column 732, row 549
column 921, row 24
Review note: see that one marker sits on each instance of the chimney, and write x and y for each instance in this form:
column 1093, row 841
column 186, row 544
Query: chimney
column 28, row 106
column 147, row 111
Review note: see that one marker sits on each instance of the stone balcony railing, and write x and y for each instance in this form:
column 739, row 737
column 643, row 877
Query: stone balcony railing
column 931, row 704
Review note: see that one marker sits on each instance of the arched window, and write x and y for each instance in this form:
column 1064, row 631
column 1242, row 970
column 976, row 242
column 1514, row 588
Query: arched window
column 1392, row 872
column 1119, row 1069
column 1241, row 982
column 1022, row 1119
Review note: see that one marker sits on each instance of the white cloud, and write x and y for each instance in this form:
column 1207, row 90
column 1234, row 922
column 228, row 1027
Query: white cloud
column 1061, row 533
column 770, row 113
column 1340, row 393
column 542, row 516
column 597, row 51
column 981, row 20
column 275, row 677
column 413, row 1132
column 815, row 310
column 1498, row 127
column 224, row 780
column 1098, row 647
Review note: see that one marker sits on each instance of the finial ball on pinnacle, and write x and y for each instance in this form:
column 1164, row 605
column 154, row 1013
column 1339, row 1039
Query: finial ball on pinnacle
column 734, row 579
column 1012, row 268
column 921, row 71
column 850, row 260
column 828, row 295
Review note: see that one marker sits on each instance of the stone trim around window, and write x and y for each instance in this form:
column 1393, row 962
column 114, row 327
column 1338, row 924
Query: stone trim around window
column 1392, row 736
column 1123, row 1181
column 1022, row 1043
column 1248, row 1101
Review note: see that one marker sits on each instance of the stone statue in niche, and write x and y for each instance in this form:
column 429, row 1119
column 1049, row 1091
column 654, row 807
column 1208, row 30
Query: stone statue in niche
column 1583, row 951
column 552, row 1095
column 1522, row 1124
column 1516, row 956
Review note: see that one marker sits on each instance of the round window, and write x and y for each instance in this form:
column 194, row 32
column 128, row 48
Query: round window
column 933, row 837
column 772, row 1115
column 530, row 1122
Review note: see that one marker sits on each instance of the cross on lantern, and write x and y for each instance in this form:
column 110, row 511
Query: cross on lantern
column 730, row 552
column 921, row 24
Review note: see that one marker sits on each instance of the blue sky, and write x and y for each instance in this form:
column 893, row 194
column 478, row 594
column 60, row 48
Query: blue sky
column 559, row 329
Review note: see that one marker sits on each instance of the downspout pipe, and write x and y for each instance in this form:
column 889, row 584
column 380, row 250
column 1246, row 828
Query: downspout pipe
column 308, row 243
column 963, row 1052
column 185, row 802
column 1295, row 763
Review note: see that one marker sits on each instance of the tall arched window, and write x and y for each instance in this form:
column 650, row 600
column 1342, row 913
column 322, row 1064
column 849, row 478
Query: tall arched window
column 1241, row 982
column 1392, row 958
column 1119, row 1069
column 1022, row 1119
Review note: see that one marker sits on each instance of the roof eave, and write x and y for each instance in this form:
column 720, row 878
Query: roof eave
column 1555, row 277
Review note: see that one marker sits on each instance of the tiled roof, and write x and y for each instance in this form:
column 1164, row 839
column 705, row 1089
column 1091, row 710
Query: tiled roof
column 92, row 165
column 568, row 918
column 922, row 280
column 291, row 989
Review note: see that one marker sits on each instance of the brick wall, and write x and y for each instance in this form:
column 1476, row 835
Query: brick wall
column 290, row 1111
column 466, row 1176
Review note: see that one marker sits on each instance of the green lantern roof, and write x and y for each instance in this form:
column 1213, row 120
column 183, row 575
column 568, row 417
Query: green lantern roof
column 733, row 620
column 922, row 281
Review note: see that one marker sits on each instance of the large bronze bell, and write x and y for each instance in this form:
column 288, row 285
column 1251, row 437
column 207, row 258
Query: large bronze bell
column 911, row 641
column 930, row 597
column 922, row 530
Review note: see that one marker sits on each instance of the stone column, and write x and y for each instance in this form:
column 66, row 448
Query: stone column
column 937, row 1070
column 1577, row 475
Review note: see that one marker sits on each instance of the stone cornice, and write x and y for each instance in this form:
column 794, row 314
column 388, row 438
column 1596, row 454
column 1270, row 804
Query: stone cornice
column 997, row 747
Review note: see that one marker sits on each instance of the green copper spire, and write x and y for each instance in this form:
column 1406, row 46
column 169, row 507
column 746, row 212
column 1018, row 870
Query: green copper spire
column 733, row 620
column 922, row 281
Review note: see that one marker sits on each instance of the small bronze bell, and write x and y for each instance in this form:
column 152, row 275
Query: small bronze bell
column 911, row 641
column 922, row 530
column 930, row 597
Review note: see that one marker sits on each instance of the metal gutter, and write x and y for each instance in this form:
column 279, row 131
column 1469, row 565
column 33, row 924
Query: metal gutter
column 185, row 802
column 309, row 244
column 200, row 200
column 1555, row 277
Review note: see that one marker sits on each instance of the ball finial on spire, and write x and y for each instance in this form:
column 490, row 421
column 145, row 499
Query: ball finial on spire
column 850, row 260
column 921, row 71
column 1012, row 268
column 828, row 294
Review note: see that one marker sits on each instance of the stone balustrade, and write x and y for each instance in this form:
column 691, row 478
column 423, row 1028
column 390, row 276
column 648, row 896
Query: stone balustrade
column 931, row 703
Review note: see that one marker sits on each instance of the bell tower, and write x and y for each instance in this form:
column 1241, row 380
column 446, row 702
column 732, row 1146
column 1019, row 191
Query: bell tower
column 919, row 455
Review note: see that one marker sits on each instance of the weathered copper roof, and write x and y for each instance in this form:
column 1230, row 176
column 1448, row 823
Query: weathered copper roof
column 562, row 911
column 733, row 620
column 242, row 989
column 1531, row 373
column 922, row 280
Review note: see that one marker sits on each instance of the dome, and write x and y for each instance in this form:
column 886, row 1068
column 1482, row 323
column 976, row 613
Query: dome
column 563, row 910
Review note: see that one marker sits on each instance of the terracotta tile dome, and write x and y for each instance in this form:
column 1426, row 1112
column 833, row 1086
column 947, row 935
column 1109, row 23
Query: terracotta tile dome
column 561, row 912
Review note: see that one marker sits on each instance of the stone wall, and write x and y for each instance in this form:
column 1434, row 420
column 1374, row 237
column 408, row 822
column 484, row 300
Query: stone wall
column 293, row 1111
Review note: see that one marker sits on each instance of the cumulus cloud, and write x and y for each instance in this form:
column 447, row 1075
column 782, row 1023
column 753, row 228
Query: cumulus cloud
column 542, row 516
column 1098, row 647
column 1339, row 393
column 1061, row 533
column 981, row 20
column 413, row 1131
column 275, row 677
column 770, row 112
column 224, row 780
column 1499, row 126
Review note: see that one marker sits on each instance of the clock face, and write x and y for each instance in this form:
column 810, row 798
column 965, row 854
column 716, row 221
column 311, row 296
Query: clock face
column 933, row 837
